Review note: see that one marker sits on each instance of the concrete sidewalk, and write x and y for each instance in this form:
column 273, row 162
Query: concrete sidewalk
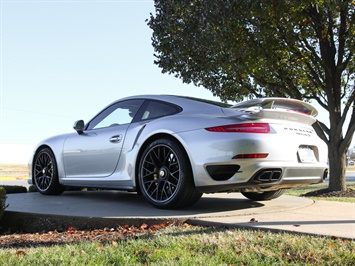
column 96, row 209
column 326, row 218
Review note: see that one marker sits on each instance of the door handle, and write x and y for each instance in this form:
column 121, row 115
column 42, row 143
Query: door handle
column 116, row 139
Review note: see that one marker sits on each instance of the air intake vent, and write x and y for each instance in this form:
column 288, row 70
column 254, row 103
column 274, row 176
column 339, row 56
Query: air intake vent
column 222, row 172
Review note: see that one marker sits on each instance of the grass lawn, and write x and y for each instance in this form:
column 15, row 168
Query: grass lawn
column 303, row 190
column 192, row 245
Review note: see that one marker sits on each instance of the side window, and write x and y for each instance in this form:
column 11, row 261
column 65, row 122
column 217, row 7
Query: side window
column 157, row 109
column 116, row 114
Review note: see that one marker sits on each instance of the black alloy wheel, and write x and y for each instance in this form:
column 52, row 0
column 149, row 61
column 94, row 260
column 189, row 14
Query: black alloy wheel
column 165, row 176
column 45, row 174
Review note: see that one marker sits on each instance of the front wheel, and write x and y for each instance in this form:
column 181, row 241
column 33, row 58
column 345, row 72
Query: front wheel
column 165, row 176
column 45, row 173
column 260, row 196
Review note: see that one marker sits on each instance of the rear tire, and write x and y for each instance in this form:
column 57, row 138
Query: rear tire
column 165, row 176
column 260, row 196
column 45, row 173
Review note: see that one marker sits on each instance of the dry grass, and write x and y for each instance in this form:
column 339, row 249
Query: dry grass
column 13, row 171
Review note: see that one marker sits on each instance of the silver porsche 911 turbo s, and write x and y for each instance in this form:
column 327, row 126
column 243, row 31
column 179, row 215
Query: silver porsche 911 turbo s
column 172, row 149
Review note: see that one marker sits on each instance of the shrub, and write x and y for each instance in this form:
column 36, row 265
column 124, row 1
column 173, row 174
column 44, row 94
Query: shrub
column 32, row 188
column 15, row 189
column 2, row 201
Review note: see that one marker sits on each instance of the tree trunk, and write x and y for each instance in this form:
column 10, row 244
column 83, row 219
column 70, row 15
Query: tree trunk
column 337, row 168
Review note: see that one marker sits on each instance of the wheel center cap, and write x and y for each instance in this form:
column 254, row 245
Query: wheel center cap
column 44, row 171
column 163, row 173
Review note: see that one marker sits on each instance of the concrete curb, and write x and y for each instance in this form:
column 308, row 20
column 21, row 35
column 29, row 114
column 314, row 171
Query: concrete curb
column 33, row 212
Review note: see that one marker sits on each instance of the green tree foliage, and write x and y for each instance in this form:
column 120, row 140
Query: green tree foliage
column 255, row 48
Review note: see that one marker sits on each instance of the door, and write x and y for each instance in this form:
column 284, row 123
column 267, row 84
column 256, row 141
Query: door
column 96, row 152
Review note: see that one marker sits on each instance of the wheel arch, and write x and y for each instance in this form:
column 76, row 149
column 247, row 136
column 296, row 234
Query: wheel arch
column 145, row 145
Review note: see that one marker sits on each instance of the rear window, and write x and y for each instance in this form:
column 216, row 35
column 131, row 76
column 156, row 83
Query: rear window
column 157, row 109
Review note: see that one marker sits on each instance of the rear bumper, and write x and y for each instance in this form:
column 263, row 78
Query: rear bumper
column 267, row 179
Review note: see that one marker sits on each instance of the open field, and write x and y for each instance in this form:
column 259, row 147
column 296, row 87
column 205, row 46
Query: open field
column 13, row 171
column 13, row 167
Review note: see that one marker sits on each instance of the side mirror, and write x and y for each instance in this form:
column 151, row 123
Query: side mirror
column 79, row 126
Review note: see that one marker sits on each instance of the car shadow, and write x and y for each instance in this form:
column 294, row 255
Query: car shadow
column 131, row 204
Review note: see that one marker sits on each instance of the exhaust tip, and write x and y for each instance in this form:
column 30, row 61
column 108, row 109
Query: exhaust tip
column 268, row 175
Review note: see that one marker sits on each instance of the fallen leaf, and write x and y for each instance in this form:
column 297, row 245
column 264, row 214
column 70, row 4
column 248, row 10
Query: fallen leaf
column 144, row 226
column 71, row 229
column 155, row 227
column 253, row 220
column 296, row 225
column 164, row 224
column 21, row 253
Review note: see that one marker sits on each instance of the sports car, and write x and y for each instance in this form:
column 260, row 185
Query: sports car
column 172, row 149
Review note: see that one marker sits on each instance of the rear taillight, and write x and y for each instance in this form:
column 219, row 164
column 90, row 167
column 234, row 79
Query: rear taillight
column 242, row 128
column 251, row 156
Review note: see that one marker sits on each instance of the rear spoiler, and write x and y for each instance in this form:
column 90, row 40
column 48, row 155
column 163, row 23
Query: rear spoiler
column 259, row 104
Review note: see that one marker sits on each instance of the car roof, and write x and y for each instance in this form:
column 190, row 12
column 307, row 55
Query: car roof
column 186, row 103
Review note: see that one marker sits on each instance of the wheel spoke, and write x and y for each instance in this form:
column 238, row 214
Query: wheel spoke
column 175, row 175
column 156, row 157
column 169, row 188
column 149, row 184
column 167, row 154
column 147, row 173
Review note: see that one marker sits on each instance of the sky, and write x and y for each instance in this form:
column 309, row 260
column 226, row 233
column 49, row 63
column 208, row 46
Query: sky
column 65, row 60
column 62, row 61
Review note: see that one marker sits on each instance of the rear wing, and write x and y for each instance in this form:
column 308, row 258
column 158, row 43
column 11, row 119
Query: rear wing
column 277, row 108
column 277, row 104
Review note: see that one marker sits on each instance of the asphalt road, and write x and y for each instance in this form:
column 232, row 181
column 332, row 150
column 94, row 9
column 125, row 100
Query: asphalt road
column 350, row 177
